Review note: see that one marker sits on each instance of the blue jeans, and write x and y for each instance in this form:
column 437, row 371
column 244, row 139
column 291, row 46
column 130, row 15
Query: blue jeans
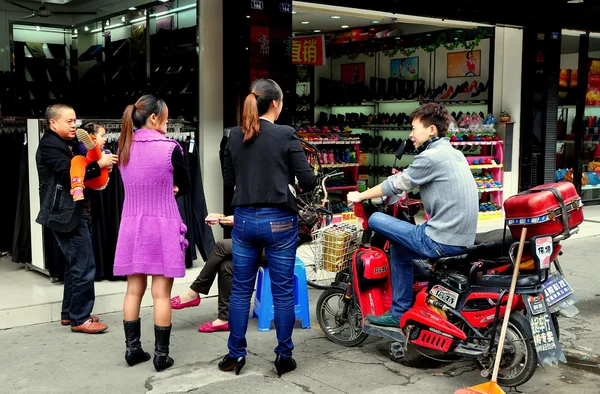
column 80, row 271
column 275, row 230
column 409, row 242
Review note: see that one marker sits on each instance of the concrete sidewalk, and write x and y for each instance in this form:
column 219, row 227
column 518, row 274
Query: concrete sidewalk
column 48, row 358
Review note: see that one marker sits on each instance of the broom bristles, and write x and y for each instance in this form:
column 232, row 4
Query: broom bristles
column 467, row 390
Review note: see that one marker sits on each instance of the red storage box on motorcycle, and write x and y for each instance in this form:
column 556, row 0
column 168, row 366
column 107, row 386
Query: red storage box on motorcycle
column 549, row 209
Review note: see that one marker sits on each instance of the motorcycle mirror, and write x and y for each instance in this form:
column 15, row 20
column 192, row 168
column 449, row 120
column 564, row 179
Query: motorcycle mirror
column 400, row 152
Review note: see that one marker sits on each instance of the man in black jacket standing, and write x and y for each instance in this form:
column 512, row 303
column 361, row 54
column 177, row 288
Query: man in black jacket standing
column 69, row 220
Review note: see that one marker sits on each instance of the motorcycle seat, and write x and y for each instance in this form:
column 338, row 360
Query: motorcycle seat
column 491, row 244
column 527, row 280
column 495, row 237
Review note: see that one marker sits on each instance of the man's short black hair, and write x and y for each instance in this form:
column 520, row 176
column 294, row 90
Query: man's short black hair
column 54, row 111
column 433, row 114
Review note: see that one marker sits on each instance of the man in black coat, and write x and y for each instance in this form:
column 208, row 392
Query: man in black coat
column 69, row 220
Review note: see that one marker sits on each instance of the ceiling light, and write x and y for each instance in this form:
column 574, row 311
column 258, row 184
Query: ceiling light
column 305, row 22
column 316, row 31
column 75, row 31
column 107, row 22
column 248, row 16
column 345, row 26
column 86, row 28
column 574, row 1
column 376, row 22
column 294, row 12
column 132, row 8
column 37, row 28
column 163, row 1
column 123, row 19
column 335, row 17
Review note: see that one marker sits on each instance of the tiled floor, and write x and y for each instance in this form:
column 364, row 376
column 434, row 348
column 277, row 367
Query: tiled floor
column 29, row 297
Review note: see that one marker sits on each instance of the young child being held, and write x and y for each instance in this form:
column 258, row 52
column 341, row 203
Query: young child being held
column 91, row 136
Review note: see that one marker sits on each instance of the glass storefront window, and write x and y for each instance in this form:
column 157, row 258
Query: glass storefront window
column 566, row 155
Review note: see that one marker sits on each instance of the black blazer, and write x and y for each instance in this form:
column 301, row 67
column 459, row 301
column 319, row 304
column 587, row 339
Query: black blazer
column 58, row 211
column 262, row 169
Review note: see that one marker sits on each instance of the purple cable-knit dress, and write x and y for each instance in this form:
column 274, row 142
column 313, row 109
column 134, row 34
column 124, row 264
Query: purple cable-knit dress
column 152, row 235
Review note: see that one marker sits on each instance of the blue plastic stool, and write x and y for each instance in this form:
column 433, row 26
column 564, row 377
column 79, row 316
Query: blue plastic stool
column 263, row 298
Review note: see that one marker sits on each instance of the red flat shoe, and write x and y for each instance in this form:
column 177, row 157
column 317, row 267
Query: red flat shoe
column 177, row 304
column 209, row 327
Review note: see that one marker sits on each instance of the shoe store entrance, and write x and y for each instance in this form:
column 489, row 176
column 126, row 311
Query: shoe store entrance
column 361, row 73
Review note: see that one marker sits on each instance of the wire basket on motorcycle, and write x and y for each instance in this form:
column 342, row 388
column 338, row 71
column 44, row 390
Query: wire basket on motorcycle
column 333, row 245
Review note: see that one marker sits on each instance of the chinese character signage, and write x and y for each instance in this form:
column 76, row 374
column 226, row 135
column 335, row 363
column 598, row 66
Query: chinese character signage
column 308, row 50
column 543, row 331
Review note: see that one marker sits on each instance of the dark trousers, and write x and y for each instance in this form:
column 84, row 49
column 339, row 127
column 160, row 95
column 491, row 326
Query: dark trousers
column 80, row 271
column 219, row 262
column 275, row 230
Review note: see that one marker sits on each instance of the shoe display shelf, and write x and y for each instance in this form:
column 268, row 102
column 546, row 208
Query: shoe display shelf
column 42, row 74
column 484, row 151
column 338, row 150
column 383, row 125
column 565, row 144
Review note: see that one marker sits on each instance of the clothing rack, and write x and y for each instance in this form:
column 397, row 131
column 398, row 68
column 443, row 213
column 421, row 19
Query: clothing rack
column 192, row 206
column 178, row 130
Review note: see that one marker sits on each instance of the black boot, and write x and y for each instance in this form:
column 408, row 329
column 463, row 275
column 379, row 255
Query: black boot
column 401, row 90
column 162, row 336
column 391, row 93
column 410, row 90
column 420, row 90
column 380, row 89
column 283, row 365
column 134, row 354
column 373, row 88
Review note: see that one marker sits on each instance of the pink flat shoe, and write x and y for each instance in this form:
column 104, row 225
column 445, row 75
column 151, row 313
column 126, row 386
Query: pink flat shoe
column 209, row 327
column 177, row 304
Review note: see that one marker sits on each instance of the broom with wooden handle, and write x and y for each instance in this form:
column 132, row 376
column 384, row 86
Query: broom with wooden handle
column 492, row 386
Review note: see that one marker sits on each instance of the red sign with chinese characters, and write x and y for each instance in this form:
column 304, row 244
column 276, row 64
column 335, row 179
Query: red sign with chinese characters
column 308, row 50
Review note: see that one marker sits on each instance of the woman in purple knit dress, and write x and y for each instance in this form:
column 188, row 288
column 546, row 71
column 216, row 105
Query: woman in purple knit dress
column 152, row 235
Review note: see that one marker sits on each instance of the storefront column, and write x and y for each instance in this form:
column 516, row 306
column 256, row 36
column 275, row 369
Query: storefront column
column 507, row 97
column 541, row 68
column 257, row 39
column 210, row 30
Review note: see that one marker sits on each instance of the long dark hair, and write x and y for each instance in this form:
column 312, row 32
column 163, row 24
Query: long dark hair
column 136, row 115
column 258, row 103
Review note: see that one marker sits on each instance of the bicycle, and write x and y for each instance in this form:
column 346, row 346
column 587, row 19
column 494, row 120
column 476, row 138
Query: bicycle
column 322, row 247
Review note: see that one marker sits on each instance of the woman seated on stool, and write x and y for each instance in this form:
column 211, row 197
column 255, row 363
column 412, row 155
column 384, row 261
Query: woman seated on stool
column 220, row 262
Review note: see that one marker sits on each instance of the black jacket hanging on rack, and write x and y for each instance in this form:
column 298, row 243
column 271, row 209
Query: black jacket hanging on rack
column 107, row 205
column 21, row 250
column 12, row 137
column 193, row 207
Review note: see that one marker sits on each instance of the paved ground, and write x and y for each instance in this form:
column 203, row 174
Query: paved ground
column 49, row 358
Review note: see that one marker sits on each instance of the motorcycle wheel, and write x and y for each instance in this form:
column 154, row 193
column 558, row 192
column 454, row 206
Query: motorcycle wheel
column 517, row 368
column 346, row 331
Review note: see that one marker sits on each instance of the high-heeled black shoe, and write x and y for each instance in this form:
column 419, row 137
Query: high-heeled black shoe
column 231, row 363
column 283, row 365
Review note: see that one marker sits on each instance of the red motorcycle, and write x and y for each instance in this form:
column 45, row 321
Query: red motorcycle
column 459, row 302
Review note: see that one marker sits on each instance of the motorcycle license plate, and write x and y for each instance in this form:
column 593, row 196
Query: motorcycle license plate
column 556, row 289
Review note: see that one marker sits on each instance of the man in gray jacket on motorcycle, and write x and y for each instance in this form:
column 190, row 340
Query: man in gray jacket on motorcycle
column 449, row 195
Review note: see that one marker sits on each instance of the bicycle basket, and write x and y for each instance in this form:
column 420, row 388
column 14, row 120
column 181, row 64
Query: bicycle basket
column 334, row 245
